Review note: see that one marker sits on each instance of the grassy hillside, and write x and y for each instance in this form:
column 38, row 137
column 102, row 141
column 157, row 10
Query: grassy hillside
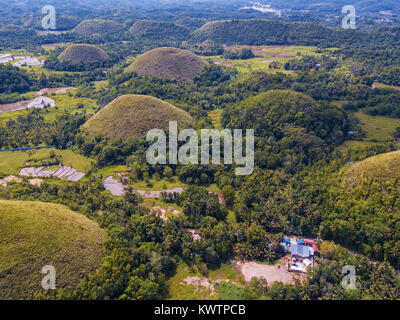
column 83, row 53
column 36, row 234
column 149, row 29
column 383, row 167
column 12, row 28
column 169, row 63
column 98, row 26
column 134, row 115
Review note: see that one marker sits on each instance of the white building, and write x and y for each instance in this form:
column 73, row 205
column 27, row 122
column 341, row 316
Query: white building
column 28, row 61
column 6, row 58
column 41, row 102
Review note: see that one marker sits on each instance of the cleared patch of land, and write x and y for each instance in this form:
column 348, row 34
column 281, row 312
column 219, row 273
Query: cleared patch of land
column 36, row 234
column 265, row 55
column 11, row 162
column 378, row 128
column 189, row 284
column 381, row 85
column 53, row 90
column 272, row 273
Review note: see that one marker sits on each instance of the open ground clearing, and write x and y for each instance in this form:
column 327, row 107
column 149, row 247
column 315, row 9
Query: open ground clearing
column 272, row 273
column 38, row 103
column 11, row 162
column 264, row 56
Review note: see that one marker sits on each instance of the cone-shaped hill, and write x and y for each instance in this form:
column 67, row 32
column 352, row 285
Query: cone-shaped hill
column 134, row 115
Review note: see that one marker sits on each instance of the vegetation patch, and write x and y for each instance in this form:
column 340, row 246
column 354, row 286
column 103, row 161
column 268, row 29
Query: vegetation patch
column 158, row 30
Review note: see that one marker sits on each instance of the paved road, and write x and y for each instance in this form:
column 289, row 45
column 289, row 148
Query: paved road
column 118, row 189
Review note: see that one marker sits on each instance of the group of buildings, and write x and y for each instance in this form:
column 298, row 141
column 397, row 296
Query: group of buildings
column 21, row 60
column 302, row 252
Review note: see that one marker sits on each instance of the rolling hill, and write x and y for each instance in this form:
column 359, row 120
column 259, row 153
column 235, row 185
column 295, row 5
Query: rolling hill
column 383, row 167
column 11, row 28
column 263, row 32
column 134, row 115
column 158, row 30
column 98, row 26
column 168, row 63
column 36, row 234
column 83, row 53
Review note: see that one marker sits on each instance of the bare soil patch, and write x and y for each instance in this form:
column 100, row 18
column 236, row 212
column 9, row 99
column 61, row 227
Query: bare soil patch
column 20, row 105
column 53, row 90
column 271, row 273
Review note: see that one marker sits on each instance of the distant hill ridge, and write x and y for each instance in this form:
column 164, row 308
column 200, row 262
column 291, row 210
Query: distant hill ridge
column 265, row 32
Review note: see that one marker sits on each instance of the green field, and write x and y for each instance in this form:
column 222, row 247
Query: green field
column 158, row 185
column 65, row 102
column 11, row 162
column 36, row 234
column 378, row 128
column 264, row 54
column 179, row 290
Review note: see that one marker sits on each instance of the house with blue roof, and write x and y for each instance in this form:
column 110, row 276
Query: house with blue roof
column 302, row 257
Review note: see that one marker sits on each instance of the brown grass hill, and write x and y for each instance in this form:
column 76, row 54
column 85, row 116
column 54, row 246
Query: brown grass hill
column 83, row 53
column 37, row 234
column 159, row 30
column 381, row 168
column 168, row 63
column 11, row 28
column 134, row 115
column 98, row 27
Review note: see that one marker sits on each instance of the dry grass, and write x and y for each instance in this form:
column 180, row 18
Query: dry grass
column 36, row 234
column 83, row 53
column 383, row 167
column 98, row 26
column 135, row 115
column 168, row 63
